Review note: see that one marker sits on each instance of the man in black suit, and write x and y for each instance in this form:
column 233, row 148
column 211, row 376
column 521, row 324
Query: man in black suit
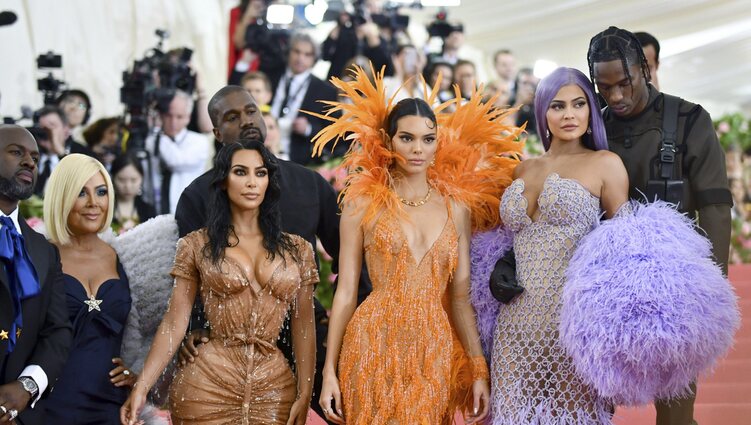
column 59, row 143
column 299, row 90
column 35, row 333
column 308, row 206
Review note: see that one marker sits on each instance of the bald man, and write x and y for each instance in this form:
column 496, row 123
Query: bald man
column 35, row 333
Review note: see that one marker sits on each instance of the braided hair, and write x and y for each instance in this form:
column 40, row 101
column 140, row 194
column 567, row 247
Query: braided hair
column 617, row 44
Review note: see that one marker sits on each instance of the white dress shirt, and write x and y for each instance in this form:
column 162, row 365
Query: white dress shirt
column 186, row 156
column 33, row 371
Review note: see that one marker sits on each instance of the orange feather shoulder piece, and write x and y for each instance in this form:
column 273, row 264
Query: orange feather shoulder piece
column 474, row 163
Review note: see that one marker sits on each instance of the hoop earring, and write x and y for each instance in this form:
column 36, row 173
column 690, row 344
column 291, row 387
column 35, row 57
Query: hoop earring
column 589, row 130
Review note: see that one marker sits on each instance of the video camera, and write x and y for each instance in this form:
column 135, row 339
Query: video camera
column 440, row 27
column 154, row 79
column 152, row 83
column 266, row 41
column 389, row 19
column 49, row 85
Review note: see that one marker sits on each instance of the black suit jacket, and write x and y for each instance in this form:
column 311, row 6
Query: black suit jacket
column 46, row 333
column 300, row 148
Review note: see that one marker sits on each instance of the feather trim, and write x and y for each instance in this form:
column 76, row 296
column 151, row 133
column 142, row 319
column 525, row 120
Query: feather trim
column 474, row 163
column 644, row 309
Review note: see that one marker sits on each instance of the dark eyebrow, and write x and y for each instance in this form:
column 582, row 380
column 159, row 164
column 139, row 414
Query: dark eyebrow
column 102, row 186
column 261, row 167
column 240, row 166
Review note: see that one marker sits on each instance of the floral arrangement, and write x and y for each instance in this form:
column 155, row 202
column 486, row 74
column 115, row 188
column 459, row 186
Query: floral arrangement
column 733, row 131
column 740, row 242
column 335, row 174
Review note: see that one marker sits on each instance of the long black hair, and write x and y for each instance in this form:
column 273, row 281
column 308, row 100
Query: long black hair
column 617, row 44
column 219, row 219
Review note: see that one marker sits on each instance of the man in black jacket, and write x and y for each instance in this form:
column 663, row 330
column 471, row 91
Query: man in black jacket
column 685, row 166
column 35, row 332
column 308, row 205
column 296, row 91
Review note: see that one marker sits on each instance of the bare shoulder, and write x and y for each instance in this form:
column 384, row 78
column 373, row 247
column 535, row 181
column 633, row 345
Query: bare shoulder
column 459, row 212
column 605, row 161
column 524, row 166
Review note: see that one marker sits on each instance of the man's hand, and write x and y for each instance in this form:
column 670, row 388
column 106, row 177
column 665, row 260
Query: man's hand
column 13, row 399
column 188, row 349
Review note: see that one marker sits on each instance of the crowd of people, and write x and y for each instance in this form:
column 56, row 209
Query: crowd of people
column 410, row 337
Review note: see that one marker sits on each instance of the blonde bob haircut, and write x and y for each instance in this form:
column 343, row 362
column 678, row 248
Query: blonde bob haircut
column 62, row 190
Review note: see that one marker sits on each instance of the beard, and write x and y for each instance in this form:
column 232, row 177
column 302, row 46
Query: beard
column 11, row 189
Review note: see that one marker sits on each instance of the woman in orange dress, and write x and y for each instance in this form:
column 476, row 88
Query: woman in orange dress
column 248, row 274
column 391, row 361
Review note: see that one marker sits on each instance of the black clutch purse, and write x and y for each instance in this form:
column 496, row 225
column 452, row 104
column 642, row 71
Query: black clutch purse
column 503, row 284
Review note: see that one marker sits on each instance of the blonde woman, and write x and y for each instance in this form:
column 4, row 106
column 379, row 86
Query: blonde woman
column 94, row 383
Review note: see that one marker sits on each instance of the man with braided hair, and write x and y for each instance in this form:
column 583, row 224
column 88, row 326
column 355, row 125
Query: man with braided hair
column 670, row 150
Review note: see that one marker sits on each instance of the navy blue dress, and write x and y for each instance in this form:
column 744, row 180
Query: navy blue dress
column 84, row 394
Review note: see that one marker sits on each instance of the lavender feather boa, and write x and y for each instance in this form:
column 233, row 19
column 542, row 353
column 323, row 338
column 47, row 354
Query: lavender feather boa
column 645, row 311
column 486, row 249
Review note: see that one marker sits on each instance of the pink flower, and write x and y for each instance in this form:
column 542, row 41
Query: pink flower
column 332, row 278
column 723, row 127
column 745, row 228
column 37, row 224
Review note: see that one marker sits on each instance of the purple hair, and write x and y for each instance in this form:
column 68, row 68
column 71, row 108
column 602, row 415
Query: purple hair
column 546, row 91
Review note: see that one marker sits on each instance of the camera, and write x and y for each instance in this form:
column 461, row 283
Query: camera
column 442, row 29
column 50, row 86
column 152, row 83
column 389, row 19
column 267, row 42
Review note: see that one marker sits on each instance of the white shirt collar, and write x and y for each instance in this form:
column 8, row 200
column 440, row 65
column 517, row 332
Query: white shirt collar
column 14, row 217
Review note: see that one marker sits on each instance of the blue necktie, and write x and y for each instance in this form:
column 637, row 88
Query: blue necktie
column 22, row 276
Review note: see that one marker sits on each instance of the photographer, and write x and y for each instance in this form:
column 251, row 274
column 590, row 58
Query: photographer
column 178, row 155
column 453, row 47
column 255, row 47
column 54, row 142
column 300, row 90
column 357, row 35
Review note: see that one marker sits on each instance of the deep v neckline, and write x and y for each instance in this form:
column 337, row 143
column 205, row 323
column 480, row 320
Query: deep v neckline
column 244, row 274
column 100, row 286
column 430, row 248
column 549, row 177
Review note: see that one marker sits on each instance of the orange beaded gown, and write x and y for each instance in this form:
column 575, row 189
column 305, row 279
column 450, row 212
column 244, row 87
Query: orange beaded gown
column 240, row 376
column 395, row 364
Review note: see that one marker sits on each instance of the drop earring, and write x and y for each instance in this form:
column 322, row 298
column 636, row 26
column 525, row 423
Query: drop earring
column 547, row 132
column 589, row 130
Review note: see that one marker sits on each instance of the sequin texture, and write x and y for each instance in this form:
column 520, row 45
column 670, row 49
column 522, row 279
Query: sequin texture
column 395, row 363
column 239, row 376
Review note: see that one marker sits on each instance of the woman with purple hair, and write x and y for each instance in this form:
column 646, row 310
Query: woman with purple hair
column 553, row 202
column 622, row 311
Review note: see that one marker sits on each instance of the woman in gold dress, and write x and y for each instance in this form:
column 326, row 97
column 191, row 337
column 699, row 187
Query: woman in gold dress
column 248, row 274
column 393, row 360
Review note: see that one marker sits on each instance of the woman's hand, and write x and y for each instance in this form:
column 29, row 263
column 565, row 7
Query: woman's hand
column 330, row 391
column 133, row 406
column 122, row 376
column 298, row 415
column 481, row 393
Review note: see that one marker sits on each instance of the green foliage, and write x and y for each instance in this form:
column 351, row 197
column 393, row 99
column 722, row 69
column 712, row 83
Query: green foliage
column 733, row 131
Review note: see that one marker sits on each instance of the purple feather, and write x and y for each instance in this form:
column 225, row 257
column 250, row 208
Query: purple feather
column 485, row 250
column 644, row 310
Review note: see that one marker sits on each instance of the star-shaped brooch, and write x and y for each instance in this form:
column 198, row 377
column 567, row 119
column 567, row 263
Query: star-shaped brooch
column 3, row 334
column 93, row 303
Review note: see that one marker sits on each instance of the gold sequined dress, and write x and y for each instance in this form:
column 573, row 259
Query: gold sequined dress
column 395, row 360
column 533, row 381
column 240, row 376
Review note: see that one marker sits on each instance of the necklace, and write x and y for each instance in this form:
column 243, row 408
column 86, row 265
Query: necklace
column 417, row 203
